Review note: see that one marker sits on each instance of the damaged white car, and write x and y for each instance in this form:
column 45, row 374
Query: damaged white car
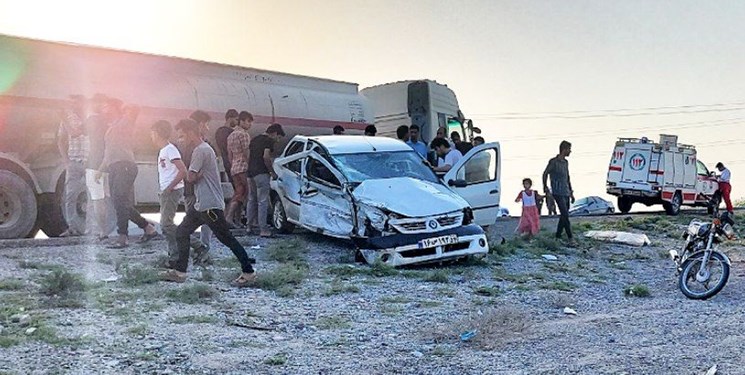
column 379, row 193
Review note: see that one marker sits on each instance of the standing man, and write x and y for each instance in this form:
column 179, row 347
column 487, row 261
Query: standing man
column 371, row 130
column 171, row 174
column 208, row 208
column 447, row 156
column 73, row 146
column 203, row 119
column 461, row 146
column 561, row 187
column 725, row 187
column 238, row 143
column 415, row 143
column 260, row 170
column 105, row 112
column 402, row 133
column 201, row 255
column 221, row 139
column 338, row 130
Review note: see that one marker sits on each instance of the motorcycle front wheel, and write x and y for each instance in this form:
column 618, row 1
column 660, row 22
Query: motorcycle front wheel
column 710, row 282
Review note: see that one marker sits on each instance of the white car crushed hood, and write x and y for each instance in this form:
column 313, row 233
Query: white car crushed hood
column 408, row 196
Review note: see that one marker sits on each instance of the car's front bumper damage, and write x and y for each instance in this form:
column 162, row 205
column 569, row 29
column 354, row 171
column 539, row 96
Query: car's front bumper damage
column 404, row 249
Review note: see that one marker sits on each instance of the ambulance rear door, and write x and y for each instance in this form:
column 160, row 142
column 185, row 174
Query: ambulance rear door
column 636, row 164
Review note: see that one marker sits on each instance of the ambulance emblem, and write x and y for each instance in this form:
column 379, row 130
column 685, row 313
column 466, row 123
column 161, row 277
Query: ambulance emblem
column 637, row 162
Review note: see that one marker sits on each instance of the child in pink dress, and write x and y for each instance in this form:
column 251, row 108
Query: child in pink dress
column 530, row 223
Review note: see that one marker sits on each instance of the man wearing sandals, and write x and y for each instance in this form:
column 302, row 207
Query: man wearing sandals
column 208, row 208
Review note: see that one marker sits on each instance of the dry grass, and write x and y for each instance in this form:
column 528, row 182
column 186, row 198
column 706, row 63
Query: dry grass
column 495, row 327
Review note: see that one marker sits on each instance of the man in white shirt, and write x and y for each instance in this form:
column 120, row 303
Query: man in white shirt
column 171, row 174
column 725, row 187
column 447, row 156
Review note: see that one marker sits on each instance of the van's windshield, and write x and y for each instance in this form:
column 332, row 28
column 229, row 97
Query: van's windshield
column 380, row 165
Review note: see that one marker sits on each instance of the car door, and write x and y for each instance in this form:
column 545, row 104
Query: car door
column 288, row 169
column 324, row 205
column 595, row 207
column 476, row 178
column 705, row 183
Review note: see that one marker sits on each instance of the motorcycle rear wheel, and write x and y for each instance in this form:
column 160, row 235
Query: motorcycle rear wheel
column 687, row 278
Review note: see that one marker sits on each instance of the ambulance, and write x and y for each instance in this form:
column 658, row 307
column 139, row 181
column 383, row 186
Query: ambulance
column 667, row 173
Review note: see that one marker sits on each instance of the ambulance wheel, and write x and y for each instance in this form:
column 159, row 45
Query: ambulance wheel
column 672, row 208
column 624, row 204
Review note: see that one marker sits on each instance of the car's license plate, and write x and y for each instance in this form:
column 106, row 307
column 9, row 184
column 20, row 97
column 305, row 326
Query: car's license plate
column 438, row 241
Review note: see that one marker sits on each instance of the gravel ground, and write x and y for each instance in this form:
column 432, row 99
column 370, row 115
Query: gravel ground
column 347, row 318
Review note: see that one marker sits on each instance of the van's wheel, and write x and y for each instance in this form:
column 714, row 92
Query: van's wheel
column 279, row 218
column 624, row 204
column 18, row 209
column 672, row 208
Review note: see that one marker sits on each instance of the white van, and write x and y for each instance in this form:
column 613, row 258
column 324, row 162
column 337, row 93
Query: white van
column 667, row 173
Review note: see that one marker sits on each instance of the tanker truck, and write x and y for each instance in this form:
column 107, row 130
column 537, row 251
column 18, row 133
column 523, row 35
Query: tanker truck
column 38, row 78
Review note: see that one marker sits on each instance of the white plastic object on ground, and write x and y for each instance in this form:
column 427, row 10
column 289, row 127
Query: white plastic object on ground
column 633, row 239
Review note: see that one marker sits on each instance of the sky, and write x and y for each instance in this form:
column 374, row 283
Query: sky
column 529, row 73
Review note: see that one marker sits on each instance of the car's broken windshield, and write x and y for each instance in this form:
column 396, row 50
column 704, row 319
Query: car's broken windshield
column 380, row 165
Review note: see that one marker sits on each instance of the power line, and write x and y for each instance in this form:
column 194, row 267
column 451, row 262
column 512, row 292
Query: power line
column 581, row 114
column 688, row 125
column 591, row 155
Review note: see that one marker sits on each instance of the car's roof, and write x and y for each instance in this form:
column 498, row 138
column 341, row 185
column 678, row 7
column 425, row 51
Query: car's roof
column 355, row 144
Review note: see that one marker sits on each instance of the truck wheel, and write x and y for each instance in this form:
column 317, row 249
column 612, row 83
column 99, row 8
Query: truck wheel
column 18, row 208
column 52, row 222
column 624, row 204
column 672, row 208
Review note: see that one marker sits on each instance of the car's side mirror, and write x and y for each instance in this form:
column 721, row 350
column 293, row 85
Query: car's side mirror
column 458, row 183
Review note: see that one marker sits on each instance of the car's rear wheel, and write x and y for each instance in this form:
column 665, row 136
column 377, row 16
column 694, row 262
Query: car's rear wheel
column 279, row 218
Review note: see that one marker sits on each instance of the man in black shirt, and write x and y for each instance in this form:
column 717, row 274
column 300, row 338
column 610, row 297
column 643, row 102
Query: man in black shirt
column 259, row 171
column 561, row 187
column 221, row 139
column 461, row 146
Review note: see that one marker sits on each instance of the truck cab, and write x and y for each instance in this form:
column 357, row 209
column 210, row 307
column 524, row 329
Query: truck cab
column 425, row 103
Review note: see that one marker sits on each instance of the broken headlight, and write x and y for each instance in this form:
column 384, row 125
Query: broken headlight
column 376, row 221
column 467, row 216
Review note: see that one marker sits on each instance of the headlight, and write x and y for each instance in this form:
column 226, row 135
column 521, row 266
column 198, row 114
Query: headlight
column 467, row 216
column 693, row 228
column 728, row 231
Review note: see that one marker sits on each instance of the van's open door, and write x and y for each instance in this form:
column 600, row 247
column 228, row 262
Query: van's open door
column 476, row 178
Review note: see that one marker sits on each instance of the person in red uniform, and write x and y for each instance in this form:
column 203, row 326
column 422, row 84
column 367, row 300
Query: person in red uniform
column 725, row 187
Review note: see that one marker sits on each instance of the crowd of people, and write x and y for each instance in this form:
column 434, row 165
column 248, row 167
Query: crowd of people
column 446, row 152
column 97, row 139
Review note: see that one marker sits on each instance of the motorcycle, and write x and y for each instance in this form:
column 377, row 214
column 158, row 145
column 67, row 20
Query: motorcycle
column 703, row 270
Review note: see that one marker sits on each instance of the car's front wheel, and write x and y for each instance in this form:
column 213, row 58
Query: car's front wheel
column 279, row 218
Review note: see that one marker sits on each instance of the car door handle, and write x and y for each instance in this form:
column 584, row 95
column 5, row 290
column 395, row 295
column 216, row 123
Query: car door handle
column 495, row 191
